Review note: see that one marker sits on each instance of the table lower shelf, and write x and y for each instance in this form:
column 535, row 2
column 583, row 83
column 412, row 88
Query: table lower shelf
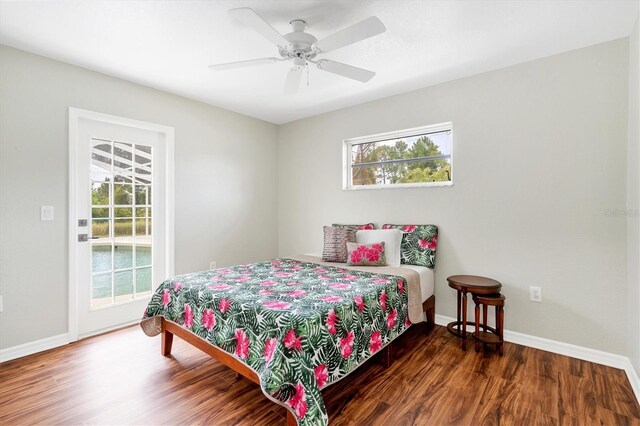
column 454, row 328
column 488, row 337
column 457, row 331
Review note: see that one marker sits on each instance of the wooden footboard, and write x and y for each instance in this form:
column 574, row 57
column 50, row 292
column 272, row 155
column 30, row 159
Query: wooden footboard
column 169, row 329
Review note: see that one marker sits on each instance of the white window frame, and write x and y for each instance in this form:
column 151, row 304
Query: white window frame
column 347, row 181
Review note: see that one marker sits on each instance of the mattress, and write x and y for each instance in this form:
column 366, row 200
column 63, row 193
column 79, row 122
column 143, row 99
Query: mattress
column 427, row 280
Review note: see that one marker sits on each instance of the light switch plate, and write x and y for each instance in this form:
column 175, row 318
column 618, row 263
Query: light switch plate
column 46, row 213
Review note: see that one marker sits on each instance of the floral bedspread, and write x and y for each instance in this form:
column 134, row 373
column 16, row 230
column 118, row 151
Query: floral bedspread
column 300, row 326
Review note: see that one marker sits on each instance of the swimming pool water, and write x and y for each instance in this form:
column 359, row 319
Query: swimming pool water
column 123, row 280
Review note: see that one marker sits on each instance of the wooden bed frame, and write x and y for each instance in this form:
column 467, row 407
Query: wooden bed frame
column 169, row 329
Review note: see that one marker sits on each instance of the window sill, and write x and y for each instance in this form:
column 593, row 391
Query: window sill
column 398, row 186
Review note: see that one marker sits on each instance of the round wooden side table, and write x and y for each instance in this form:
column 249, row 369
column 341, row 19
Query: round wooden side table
column 489, row 335
column 464, row 284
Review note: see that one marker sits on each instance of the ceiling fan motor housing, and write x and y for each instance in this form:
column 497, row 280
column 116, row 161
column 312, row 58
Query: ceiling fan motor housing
column 301, row 44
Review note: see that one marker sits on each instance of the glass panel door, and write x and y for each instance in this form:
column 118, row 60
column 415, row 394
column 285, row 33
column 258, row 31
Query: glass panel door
column 121, row 227
column 121, row 213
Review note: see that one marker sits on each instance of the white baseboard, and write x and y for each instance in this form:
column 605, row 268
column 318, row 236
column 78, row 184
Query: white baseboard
column 52, row 342
column 573, row 351
column 33, row 347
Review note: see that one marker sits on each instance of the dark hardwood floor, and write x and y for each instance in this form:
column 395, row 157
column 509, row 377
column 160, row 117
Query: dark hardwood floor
column 121, row 378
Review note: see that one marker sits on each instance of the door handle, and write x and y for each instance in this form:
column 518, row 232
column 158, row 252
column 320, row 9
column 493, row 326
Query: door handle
column 84, row 238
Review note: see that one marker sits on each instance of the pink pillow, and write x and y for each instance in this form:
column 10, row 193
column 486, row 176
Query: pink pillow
column 366, row 254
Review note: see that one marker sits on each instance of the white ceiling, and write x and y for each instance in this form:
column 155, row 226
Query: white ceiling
column 169, row 44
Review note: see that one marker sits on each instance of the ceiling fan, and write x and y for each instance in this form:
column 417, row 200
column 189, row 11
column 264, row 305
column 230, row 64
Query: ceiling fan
column 302, row 48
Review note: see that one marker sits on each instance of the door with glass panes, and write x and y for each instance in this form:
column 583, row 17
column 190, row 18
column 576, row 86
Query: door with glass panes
column 121, row 185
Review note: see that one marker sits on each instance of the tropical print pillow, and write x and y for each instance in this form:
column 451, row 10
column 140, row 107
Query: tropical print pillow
column 418, row 244
column 365, row 227
column 335, row 243
column 366, row 254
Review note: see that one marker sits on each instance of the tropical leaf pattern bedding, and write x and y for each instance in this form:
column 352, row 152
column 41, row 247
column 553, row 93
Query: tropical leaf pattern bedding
column 300, row 326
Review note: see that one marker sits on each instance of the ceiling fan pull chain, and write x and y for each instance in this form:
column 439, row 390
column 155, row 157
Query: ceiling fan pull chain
column 307, row 65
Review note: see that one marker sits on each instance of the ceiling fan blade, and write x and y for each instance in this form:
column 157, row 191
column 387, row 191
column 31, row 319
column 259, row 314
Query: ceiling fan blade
column 242, row 64
column 292, row 83
column 362, row 30
column 345, row 70
column 251, row 19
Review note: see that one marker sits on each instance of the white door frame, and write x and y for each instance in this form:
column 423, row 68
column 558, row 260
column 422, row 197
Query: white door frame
column 75, row 115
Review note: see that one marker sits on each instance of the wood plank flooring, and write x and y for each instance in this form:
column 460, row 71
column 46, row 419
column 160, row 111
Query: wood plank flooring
column 121, row 378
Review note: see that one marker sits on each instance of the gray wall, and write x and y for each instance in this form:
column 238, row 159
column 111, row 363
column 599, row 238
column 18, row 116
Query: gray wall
column 225, row 183
column 539, row 158
column 538, row 152
column 633, row 199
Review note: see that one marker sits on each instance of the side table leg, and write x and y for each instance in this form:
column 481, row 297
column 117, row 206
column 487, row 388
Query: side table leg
column 477, row 330
column 459, row 301
column 500, row 327
column 464, row 320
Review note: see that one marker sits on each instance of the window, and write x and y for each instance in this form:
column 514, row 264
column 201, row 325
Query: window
column 406, row 158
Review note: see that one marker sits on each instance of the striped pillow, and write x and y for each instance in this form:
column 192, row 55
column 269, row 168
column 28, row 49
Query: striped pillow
column 335, row 243
column 365, row 227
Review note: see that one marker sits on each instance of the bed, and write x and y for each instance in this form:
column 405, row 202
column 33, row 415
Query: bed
column 292, row 325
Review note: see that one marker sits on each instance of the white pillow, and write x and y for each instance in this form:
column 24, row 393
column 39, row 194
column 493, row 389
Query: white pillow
column 392, row 239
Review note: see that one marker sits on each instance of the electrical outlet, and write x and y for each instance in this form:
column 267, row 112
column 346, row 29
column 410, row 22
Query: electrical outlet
column 212, row 264
column 46, row 213
column 535, row 294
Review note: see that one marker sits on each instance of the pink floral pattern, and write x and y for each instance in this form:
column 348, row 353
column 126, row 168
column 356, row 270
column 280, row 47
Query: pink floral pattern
column 296, row 293
column 270, row 349
column 383, row 300
column 188, row 316
column 276, row 304
column 220, row 287
column 375, row 342
column 224, row 305
column 322, row 375
column 366, row 254
column 298, row 401
column 346, row 345
column 339, row 286
column 291, row 341
column 277, row 328
column 331, row 321
column 391, row 318
column 242, row 344
column 208, row 319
